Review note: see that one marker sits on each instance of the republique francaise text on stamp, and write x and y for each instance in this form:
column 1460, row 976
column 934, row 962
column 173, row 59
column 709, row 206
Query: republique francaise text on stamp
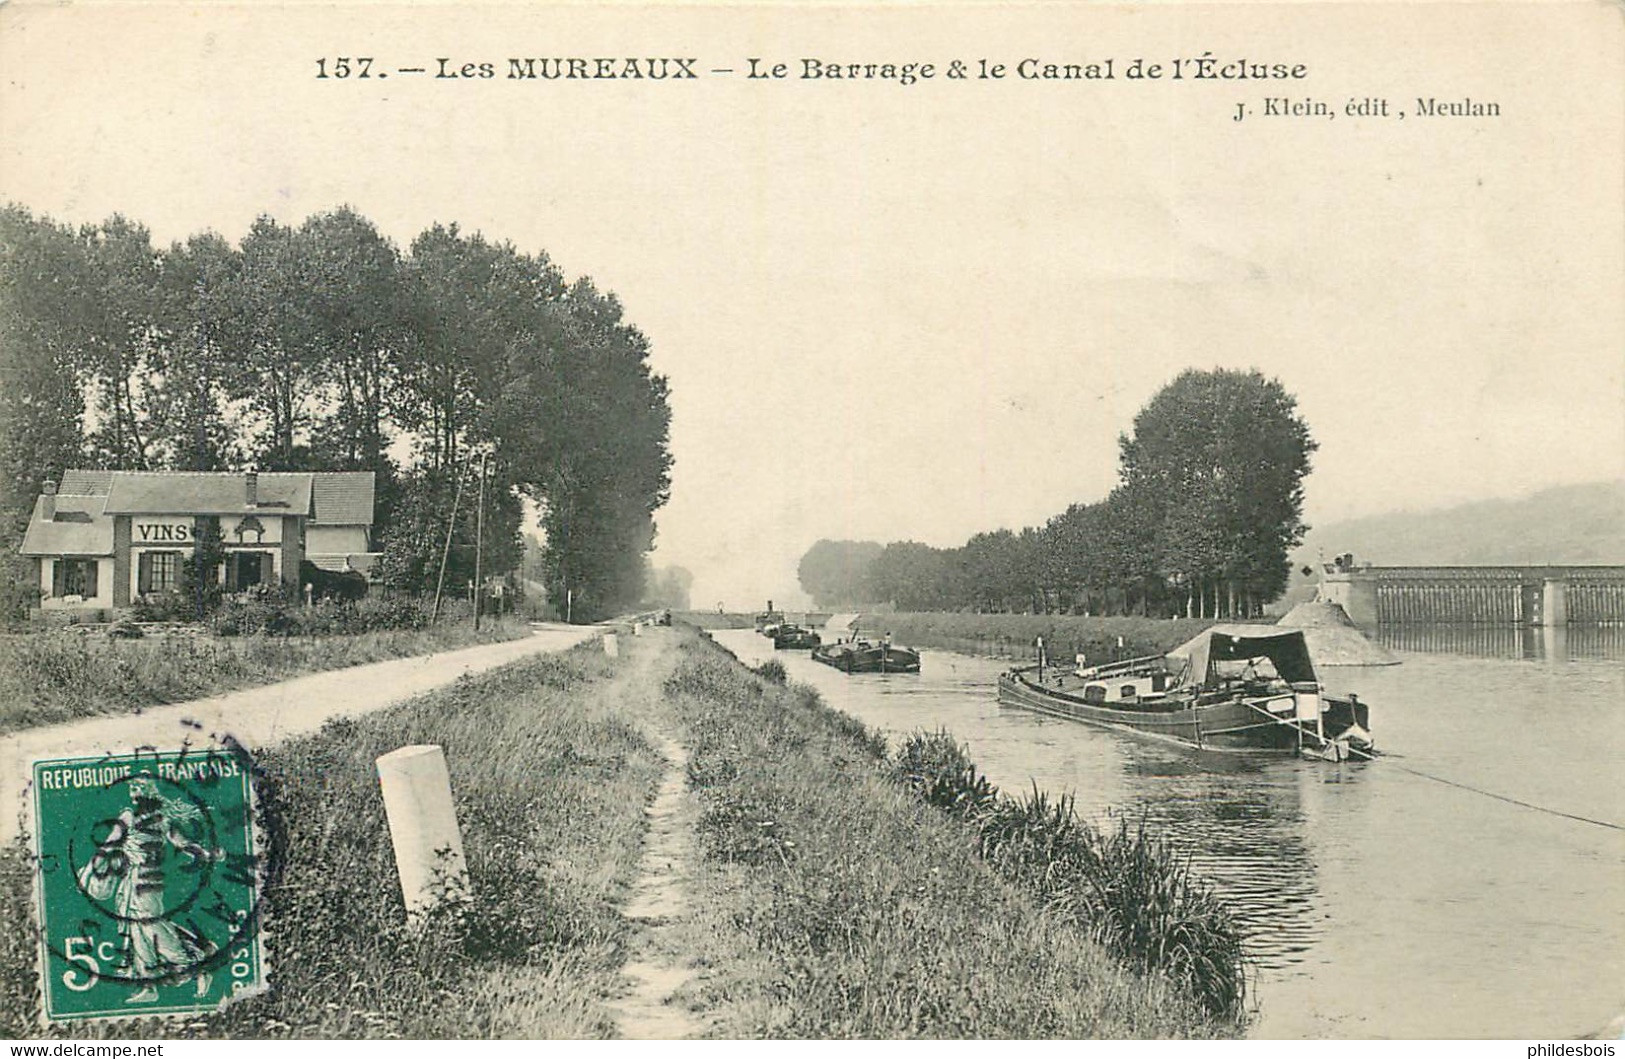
column 147, row 883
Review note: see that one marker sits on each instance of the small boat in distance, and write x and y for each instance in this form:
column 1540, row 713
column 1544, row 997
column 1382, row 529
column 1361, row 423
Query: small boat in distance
column 792, row 637
column 1236, row 688
column 858, row 655
column 769, row 620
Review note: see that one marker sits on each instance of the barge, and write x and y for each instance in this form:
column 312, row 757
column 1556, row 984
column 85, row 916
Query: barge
column 1234, row 688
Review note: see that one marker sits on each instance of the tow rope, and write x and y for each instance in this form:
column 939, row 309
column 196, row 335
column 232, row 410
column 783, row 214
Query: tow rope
column 1503, row 797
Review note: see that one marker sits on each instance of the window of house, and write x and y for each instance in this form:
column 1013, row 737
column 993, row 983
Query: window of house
column 158, row 572
column 74, row 577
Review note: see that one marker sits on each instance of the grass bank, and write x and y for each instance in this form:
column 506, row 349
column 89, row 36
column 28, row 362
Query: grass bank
column 47, row 677
column 1012, row 635
column 833, row 901
column 550, row 778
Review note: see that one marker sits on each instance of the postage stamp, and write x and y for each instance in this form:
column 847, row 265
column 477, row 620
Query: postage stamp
column 147, row 884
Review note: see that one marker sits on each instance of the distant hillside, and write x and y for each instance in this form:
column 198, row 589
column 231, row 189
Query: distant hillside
column 1576, row 524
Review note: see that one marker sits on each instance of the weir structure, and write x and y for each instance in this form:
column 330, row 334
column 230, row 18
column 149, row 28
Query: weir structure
column 1541, row 596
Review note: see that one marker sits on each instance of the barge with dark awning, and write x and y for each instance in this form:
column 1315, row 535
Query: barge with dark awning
column 1235, row 688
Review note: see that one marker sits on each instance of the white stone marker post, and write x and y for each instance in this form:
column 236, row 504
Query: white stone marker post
column 612, row 645
column 423, row 827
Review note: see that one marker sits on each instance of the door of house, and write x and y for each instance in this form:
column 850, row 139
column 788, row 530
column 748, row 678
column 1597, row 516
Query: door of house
column 247, row 569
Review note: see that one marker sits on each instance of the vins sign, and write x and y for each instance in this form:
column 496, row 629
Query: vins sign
column 163, row 533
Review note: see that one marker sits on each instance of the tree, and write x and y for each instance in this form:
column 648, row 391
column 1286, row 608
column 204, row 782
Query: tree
column 1071, row 557
column 350, row 285
column 469, row 306
column 191, row 421
column 582, row 412
column 1215, row 470
column 117, row 353
column 913, row 576
column 414, row 540
column 42, row 406
column 319, row 347
column 43, row 296
column 1004, row 571
column 668, row 587
column 270, row 333
column 1207, row 508
column 836, row 573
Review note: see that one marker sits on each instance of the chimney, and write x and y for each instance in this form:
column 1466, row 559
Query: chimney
column 251, row 482
column 48, row 495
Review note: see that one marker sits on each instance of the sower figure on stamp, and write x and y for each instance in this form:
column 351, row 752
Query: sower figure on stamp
column 128, row 868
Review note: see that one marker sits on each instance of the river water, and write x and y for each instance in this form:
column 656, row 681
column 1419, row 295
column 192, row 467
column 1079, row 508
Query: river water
column 1381, row 899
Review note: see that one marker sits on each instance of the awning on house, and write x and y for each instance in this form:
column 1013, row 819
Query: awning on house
column 346, row 563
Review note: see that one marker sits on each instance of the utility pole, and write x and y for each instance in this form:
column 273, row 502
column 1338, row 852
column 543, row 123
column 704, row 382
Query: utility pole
column 445, row 552
column 479, row 542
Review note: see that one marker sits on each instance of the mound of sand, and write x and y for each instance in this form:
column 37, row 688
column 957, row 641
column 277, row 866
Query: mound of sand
column 1334, row 640
column 840, row 624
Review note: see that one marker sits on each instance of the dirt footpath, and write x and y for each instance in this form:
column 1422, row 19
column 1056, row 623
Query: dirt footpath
column 656, row 965
column 258, row 716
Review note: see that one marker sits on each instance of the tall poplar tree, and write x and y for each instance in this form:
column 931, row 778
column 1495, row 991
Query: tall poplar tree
column 1218, row 459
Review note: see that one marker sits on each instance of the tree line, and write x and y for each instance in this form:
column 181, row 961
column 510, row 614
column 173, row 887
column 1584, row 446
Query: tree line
column 1207, row 506
column 324, row 346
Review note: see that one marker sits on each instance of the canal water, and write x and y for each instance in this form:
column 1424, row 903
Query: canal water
column 1401, row 898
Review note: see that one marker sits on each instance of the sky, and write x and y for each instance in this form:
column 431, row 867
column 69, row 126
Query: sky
column 918, row 312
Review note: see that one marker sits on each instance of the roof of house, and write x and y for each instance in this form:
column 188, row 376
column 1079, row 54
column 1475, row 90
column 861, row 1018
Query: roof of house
column 206, row 493
column 343, row 498
column 85, row 483
column 79, row 528
column 331, row 498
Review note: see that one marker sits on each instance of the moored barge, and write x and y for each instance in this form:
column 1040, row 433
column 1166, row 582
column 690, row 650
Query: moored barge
column 868, row 656
column 794, row 637
column 1234, row 688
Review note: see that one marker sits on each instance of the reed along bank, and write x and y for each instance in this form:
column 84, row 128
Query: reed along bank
column 827, row 896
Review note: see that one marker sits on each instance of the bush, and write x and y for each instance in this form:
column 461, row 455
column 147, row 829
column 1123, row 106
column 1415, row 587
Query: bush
column 772, row 671
column 177, row 606
column 19, row 590
column 325, row 584
column 267, row 610
column 939, row 770
column 261, row 609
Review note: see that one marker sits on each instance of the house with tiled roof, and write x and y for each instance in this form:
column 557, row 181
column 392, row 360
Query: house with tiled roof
column 102, row 539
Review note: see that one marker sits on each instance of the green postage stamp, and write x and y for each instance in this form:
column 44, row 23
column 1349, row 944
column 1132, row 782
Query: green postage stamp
column 147, row 883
